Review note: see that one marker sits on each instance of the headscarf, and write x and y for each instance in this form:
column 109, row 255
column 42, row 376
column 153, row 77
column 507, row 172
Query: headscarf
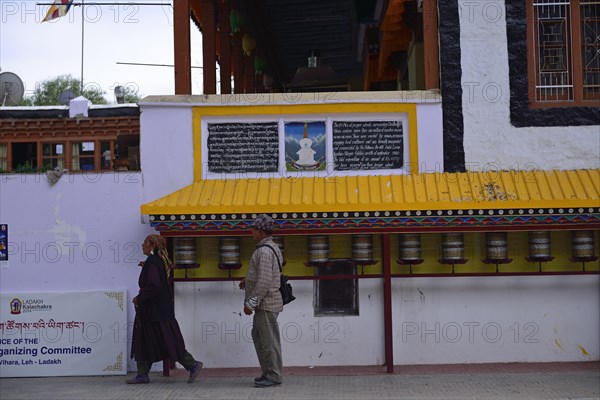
column 160, row 245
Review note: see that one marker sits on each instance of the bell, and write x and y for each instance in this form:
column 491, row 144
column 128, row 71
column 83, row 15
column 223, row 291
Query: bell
column 248, row 44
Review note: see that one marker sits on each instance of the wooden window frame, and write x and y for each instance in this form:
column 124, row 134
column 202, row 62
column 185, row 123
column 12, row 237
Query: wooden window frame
column 41, row 157
column 67, row 154
column 574, row 58
column 96, row 155
column 7, row 158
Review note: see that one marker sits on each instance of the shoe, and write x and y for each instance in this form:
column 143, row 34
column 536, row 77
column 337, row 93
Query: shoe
column 195, row 371
column 260, row 378
column 265, row 383
column 138, row 379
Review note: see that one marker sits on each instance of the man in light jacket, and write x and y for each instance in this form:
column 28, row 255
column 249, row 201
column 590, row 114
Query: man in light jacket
column 264, row 299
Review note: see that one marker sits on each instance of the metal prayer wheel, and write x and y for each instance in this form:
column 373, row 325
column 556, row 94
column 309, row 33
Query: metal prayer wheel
column 539, row 245
column 453, row 246
column 362, row 247
column 410, row 247
column 496, row 245
column 318, row 248
column 279, row 242
column 229, row 250
column 185, row 251
column 582, row 244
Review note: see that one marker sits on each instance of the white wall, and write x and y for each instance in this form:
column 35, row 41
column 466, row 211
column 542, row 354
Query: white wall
column 434, row 320
column 166, row 150
column 490, row 141
column 219, row 333
column 83, row 233
column 430, row 137
column 497, row 319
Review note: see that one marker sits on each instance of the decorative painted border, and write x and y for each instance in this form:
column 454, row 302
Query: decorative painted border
column 117, row 366
column 118, row 296
column 430, row 219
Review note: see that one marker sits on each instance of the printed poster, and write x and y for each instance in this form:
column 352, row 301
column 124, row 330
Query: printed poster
column 63, row 333
column 3, row 242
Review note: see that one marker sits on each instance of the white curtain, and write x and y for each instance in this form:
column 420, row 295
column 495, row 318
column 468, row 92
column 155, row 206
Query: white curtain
column 75, row 158
column 3, row 157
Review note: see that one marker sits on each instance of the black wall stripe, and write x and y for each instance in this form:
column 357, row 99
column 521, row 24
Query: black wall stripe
column 451, row 72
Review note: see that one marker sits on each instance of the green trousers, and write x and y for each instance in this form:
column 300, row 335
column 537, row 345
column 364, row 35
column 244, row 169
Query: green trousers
column 188, row 362
column 265, row 334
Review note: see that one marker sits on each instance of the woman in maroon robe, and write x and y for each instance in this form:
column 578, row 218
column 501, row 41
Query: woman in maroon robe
column 156, row 333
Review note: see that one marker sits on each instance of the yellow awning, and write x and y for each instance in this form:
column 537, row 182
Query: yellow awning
column 422, row 192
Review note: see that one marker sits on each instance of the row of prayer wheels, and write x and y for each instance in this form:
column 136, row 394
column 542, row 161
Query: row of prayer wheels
column 229, row 251
column 496, row 247
column 409, row 245
column 318, row 248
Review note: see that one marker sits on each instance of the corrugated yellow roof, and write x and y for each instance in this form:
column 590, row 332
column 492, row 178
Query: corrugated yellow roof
column 439, row 191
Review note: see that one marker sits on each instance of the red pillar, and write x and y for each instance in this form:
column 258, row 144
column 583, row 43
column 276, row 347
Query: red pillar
column 209, row 50
column 249, row 74
column 430, row 43
column 237, row 59
column 224, row 46
column 181, row 48
column 387, row 303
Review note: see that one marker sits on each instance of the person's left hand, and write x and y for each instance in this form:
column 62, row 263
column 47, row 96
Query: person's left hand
column 247, row 311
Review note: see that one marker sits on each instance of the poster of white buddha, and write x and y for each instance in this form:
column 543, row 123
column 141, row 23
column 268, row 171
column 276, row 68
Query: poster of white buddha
column 305, row 146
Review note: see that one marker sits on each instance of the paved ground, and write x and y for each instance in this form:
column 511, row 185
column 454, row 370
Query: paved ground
column 488, row 381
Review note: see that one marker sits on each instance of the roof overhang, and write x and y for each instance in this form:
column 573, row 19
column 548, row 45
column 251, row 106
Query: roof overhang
column 394, row 203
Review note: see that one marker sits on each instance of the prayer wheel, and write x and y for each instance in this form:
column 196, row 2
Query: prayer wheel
column 229, row 250
column 453, row 247
column 318, row 248
column 185, row 252
column 539, row 245
column 496, row 246
column 582, row 244
column 362, row 247
column 410, row 247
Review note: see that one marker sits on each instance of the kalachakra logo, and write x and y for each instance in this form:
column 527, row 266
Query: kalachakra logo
column 15, row 306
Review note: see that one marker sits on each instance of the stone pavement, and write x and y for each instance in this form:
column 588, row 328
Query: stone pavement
column 473, row 381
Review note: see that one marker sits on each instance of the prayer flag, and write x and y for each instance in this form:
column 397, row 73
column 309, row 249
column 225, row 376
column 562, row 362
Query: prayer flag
column 58, row 9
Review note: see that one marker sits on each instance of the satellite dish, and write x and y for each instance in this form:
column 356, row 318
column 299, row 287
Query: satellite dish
column 11, row 89
column 66, row 96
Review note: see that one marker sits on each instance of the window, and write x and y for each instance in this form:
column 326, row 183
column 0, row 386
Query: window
column 336, row 296
column 53, row 155
column 564, row 65
column 3, row 157
column 82, row 156
column 106, row 152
